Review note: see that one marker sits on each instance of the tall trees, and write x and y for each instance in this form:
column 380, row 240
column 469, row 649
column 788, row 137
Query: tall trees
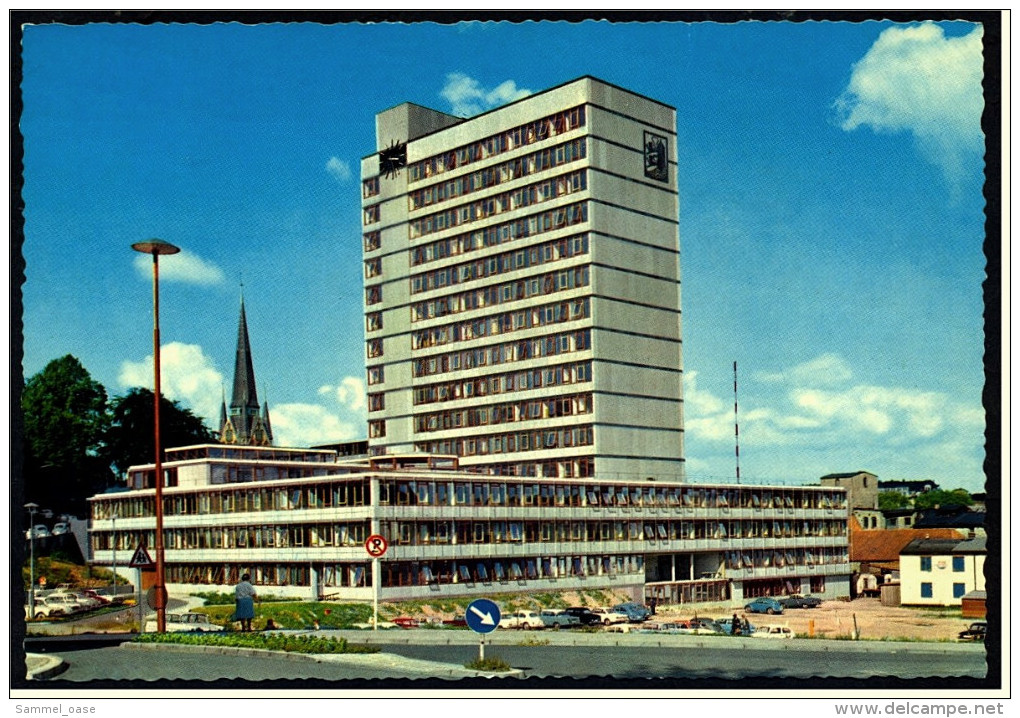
column 130, row 437
column 66, row 418
column 73, row 435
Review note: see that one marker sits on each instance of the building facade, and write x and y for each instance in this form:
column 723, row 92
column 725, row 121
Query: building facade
column 940, row 572
column 298, row 519
column 522, row 285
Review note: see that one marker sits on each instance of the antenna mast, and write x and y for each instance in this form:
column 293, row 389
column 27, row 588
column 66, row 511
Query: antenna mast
column 736, row 422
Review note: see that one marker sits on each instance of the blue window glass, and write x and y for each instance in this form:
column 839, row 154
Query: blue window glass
column 926, row 563
column 926, row 590
column 958, row 564
column 959, row 589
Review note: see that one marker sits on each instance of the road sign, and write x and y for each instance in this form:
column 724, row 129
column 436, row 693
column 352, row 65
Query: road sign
column 141, row 558
column 482, row 616
column 376, row 545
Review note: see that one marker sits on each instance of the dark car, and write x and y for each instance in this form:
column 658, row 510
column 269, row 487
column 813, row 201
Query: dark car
column 636, row 613
column 800, row 602
column 584, row 615
column 764, row 604
column 975, row 632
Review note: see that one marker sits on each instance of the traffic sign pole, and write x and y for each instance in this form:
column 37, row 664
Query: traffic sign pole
column 376, row 546
column 482, row 617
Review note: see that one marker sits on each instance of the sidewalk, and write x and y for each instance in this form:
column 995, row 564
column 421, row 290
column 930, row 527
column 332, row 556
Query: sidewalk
column 40, row 667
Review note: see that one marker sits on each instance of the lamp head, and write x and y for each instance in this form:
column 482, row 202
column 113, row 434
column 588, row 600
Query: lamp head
column 155, row 246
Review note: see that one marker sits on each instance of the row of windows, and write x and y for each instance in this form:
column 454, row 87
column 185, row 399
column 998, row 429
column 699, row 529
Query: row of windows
column 498, row 174
column 536, row 440
column 959, row 590
column 426, row 533
column 495, row 235
column 546, row 315
column 509, row 352
column 780, row 587
column 959, row 564
column 561, row 281
column 506, row 413
column 264, row 574
column 501, row 263
column 509, row 493
column 786, row 558
column 504, row 570
column 324, row 494
column 573, row 467
column 546, row 377
column 233, row 537
column 506, row 141
column 543, row 191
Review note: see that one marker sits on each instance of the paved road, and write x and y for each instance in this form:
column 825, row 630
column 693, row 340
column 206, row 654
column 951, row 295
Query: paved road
column 427, row 658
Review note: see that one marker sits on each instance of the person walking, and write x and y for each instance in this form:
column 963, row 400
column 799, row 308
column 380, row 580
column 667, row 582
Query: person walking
column 244, row 602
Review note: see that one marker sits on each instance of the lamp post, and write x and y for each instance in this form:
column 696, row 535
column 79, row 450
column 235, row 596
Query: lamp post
column 156, row 247
column 114, row 518
column 31, row 558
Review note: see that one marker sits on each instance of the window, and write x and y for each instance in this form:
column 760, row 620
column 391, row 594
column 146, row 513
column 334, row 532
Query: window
column 959, row 589
column 957, row 564
column 926, row 590
column 926, row 564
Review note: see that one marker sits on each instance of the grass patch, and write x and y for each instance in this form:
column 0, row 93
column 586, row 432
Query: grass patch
column 226, row 598
column 534, row 641
column 297, row 615
column 266, row 641
column 494, row 664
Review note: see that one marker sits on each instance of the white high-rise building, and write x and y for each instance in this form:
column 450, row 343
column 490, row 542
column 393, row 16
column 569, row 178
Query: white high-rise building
column 522, row 285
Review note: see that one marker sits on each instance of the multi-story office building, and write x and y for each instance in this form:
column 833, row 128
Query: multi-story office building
column 298, row 519
column 522, row 285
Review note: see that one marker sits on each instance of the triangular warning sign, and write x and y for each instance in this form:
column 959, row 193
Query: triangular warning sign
column 140, row 559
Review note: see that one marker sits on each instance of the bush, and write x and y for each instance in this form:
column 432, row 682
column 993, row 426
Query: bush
column 267, row 641
column 495, row 664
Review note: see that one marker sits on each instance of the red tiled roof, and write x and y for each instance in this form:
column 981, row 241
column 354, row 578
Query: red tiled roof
column 885, row 545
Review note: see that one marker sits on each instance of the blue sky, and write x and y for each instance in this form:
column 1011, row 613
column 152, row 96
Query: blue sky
column 831, row 216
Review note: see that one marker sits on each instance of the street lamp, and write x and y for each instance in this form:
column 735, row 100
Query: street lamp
column 156, row 247
column 31, row 559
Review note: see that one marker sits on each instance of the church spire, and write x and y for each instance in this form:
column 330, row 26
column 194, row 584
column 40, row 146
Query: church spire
column 245, row 424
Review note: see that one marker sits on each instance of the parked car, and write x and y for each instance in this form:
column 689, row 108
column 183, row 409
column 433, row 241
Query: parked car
column 667, row 627
column 635, row 612
column 975, row 631
column 772, row 632
column 556, row 619
column 45, row 609
column 522, row 620
column 746, row 629
column 37, row 531
column 764, row 604
column 93, row 594
column 703, row 627
column 608, row 616
column 182, row 622
column 60, row 529
column 86, row 602
column 584, row 615
column 460, row 620
column 405, row 622
column 797, row 601
column 66, row 601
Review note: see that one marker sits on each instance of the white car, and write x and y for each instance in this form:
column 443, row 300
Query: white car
column 522, row 620
column 176, row 622
column 37, row 531
column 608, row 616
column 779, row 632
column 45, row 609
column 66, row 602
column 557, row 618
column 60, row 529
column 86, row 602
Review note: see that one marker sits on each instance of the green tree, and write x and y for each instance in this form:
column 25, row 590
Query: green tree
column 941, row 497
column 65, row 418
column 130, row 439
column 890, row 500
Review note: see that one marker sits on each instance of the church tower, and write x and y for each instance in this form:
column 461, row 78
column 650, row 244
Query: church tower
column 244, row 424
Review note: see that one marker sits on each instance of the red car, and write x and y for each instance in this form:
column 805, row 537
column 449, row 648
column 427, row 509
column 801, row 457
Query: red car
column 97, row 596
column 406, row 622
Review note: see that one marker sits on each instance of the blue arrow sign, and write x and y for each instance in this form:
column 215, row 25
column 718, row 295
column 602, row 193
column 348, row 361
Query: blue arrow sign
column 482, row 616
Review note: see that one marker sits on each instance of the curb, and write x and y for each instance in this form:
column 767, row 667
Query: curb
column 381, row 660
column 40, row 667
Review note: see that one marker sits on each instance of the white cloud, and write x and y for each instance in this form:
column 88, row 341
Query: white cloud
column 467, row 97
column 917, row 80
column 350, row 393
column 339, row 169
column 182, row 267
column 187, row 376
column 310, row 425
